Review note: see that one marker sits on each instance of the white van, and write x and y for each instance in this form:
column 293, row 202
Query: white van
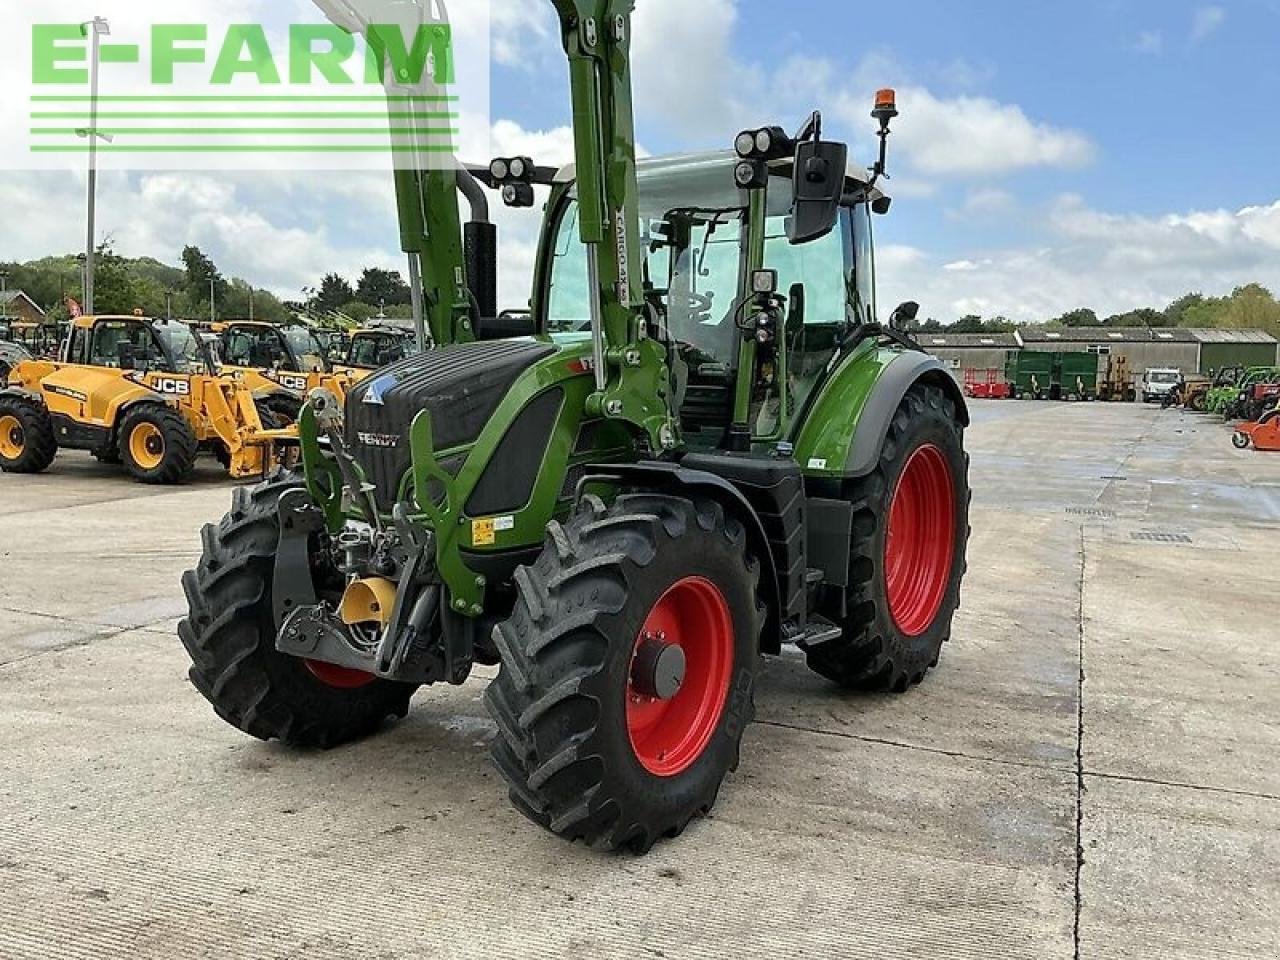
column 1157, row 383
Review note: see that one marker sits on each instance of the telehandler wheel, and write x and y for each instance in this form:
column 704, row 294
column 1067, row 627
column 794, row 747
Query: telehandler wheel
column 230, row 635
column 910, row 532
column 27, row 441
column 627, row 670
column 157, row 444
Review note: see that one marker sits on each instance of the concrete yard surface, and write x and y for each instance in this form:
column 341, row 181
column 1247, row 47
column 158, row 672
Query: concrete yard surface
column 1093, row 771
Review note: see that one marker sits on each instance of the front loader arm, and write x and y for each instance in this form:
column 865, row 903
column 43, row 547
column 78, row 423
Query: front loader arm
column 426, row 193
column 632, row 377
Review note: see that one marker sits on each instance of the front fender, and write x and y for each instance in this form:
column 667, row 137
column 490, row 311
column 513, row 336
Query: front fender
column 845, row 428
column 665, row 477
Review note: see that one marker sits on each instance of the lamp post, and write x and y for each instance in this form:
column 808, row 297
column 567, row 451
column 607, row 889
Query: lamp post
column 95, row 29
column 213, row 293
column 251, row 301
column 4, row 294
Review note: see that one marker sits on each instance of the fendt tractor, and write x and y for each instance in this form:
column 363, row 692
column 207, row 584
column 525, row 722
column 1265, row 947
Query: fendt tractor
column 704, row 448
column 280, row 364
column 142, row 392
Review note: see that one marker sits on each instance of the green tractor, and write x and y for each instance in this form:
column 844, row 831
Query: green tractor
column 703, row 448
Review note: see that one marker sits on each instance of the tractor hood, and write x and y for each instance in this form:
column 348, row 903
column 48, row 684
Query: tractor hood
column 460, row 385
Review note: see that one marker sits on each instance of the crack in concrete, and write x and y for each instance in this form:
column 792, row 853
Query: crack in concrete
column 95, row 632
column 1182, row 785
column 1080, row 788
column 937, row 751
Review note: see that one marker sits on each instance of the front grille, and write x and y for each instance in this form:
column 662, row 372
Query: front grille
column 460, row 385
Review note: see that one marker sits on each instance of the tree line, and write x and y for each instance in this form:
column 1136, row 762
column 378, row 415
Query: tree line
column 1251, row 307
column 122, row 285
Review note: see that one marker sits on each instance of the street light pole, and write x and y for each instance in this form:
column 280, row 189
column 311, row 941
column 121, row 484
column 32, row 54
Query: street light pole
column 4, row 294
column 213, row 315
column 97, row 28
column 251, row 302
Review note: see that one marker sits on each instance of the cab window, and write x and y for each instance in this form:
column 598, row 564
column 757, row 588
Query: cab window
column 124, row 344
column 259, row 349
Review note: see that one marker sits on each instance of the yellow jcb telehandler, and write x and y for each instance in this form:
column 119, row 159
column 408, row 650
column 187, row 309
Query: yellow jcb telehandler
column 280, row 364
column 142, row 392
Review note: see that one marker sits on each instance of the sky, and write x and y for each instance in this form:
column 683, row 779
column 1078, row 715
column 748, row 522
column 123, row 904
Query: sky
column 1105, row 153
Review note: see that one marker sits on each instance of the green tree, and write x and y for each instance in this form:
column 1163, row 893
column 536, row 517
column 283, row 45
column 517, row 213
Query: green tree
column 971, row 323
column 334, row 294
column 377, row 287
column 1080, row 317
column 114, row 288
column 1252, row 307
column 1145, row 317
column 199, row 272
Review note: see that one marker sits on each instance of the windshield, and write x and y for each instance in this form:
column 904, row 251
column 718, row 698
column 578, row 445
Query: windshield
column 307, row 348
column 372, row 350
column 1164, row 376
column 180, row 343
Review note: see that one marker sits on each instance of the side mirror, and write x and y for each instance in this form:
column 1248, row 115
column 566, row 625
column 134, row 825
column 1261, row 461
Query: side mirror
column 819, row 187
column 902, row 318
column 127, row 356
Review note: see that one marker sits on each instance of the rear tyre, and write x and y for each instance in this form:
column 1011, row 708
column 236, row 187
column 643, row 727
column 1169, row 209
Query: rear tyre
column 27, row 441
column 910, row 533
column 157, row 444
column 230, row 635
column 627, row 670
column 1241, row 440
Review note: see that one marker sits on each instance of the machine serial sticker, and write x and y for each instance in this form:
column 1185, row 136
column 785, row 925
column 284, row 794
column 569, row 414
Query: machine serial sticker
column 816, row 464
column 502, row 524
column 483, row 532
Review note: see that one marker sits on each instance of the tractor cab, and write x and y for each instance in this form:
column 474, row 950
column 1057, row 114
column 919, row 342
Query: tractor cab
column 378, row 347
column 134, row 343
column 697, row 229
column 294, row 348
column 279, row 363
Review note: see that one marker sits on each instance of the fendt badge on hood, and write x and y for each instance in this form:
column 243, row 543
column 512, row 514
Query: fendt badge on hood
column 384, row 440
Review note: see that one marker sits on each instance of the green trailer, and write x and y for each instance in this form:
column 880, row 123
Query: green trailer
column 1076, row 377
column 1030, row 374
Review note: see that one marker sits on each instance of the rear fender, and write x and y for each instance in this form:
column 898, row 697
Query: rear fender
column 671, row 478
column 845, row 429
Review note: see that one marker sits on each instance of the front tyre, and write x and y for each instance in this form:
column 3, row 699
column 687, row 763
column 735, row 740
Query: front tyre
column 907, row 555
column 27, row 441
column 157, row 444
column 230, row 634
column 627, row 670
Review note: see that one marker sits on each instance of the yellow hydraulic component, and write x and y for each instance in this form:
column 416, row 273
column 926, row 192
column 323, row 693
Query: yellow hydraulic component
column 146, row 446
column 11, row 439
column 370, row 600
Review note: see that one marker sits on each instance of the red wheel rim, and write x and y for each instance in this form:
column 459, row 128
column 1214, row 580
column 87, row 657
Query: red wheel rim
column 340, row 678
column 920, row 546
column 668, row 736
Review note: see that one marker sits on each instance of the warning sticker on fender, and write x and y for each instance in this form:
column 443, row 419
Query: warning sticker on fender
column 483, row 533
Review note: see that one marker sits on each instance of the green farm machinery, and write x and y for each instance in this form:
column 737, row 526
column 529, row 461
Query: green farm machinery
column 699, row 447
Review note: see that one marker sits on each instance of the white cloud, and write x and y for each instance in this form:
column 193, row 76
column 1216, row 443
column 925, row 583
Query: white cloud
column 1112, row 262
column 974, row 136
column 987, row 202
column 1150, row 41
column 1206, row 22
